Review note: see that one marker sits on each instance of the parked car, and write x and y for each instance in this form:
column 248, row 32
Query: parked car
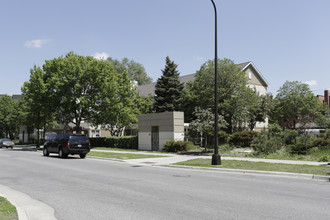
column 6, row 143
column 65, row 144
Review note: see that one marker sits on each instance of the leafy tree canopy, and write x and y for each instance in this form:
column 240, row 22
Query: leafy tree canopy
column 232, row 84
column 78, row 85
column 133, row 69
column 204, row 123
column 295, row 103
column 10, row 117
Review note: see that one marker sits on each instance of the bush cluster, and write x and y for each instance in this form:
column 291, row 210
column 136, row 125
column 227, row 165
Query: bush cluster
column 177, row 146
column 125, row 142
column 268, row 142
column 242, row 138
column 265, row 143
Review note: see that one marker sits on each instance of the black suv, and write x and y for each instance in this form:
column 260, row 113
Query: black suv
column 65, row 144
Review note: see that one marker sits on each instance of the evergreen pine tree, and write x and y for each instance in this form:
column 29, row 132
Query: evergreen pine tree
column 168, row 92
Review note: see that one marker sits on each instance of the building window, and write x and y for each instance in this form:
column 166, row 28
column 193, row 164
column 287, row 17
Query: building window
column 250, row 75
column 95, row 133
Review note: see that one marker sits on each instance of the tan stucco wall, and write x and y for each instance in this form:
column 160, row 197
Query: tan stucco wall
column 171, row 127
column 167, row 121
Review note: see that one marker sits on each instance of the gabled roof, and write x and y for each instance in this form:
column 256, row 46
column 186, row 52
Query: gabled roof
column 245, row 65
column 147, row 89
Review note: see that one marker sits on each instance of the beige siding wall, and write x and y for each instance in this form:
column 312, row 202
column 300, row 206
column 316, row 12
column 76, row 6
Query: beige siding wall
column 253, row 77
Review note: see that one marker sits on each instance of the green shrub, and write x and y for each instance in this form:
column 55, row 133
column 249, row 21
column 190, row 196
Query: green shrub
column 298, row 148
column 320, row 143
column 274, row 130
column 266, row 144
column 324, row 158
column 302, row 145
column 177, row 146
column 98, row 142
column 242, row 138
column 290, row 136
column 222, row 136
column 124, row 142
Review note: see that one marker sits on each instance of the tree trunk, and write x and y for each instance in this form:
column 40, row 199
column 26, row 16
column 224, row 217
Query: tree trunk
column 38, row 126
column 44, row 132
column 205, row 142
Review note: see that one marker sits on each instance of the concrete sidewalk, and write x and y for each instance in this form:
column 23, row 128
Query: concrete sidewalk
column 27, row 208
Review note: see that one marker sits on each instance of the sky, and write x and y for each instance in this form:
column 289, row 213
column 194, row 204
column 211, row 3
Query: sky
column 287, row 40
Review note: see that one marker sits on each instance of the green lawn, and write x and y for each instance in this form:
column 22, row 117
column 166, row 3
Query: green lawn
column 276, row 167
column 123, row 156
column 7, row 210
column 313, row 155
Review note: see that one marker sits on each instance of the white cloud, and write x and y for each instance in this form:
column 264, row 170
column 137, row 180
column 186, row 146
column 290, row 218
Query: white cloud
column 36, row 43
column 101, row 56
column 311, row 82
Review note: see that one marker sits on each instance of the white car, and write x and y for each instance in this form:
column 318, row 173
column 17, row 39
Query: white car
column 6, row 143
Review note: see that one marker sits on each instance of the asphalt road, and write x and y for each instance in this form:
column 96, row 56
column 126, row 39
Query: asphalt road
column 102, row 189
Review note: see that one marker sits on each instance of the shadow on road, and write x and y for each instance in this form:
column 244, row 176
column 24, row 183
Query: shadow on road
column 59, row 158
column 24, row 149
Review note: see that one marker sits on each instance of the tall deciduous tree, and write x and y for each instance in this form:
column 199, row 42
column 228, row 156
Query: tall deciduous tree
column 204, row 123
column 80, row 86
column 134, row 70
column 37, row 101
column 10, row 117
column 323, row 117
column 257, row 107
column 232, row 85
column 120, row 110
column 295, row 103
column 168, row 89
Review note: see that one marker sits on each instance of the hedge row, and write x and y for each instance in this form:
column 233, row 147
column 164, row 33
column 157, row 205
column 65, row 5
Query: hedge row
column 125, row 142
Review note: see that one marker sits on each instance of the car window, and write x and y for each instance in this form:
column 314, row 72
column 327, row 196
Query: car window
column 62, row 136
column 79, row 139
column 50, row 136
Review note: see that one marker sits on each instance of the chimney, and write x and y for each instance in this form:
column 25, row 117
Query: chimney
column 326, row 97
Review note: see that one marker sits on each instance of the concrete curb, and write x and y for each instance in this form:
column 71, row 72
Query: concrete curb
column 235, row 171
column 27, row 208
column 256, row 172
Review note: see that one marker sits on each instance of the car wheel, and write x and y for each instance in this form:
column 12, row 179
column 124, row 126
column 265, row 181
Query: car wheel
column 82, row 155
column 61, row 154
column 45, row 151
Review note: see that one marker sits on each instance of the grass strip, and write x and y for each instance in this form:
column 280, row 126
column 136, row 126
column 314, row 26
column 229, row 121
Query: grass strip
column 132, row 150
column 123, row 156
column 7, row 210
column 262, row 166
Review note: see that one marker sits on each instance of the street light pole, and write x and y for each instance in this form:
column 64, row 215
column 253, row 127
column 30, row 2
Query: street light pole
column 216, row 159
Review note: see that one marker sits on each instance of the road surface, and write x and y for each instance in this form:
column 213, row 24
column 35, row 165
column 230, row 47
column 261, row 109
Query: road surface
column 104, row 189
